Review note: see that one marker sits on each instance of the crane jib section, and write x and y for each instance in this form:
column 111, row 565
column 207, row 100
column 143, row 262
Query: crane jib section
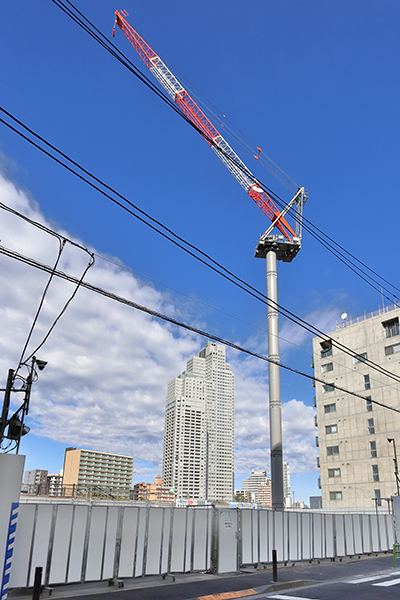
column 212, row 136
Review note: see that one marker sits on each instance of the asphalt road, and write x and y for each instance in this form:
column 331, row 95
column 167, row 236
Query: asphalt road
column 365, row 578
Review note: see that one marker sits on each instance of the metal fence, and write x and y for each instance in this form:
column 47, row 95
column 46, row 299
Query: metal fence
column 76, row 542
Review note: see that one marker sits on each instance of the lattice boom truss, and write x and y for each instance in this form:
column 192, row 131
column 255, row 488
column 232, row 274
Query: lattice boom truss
column 212, row 136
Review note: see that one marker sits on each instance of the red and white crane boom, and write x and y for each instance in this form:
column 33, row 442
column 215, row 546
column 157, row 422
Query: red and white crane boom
column 192, row 111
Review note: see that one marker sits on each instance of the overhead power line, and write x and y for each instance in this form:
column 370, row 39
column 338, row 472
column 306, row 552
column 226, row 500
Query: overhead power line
column 358, row 267
column 34, row 263
column 180, row 242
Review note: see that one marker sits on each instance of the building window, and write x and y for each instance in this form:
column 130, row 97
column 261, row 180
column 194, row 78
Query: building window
column 367, row 383
column 391, row 328
column 327, row 352
column 375, row 473
column 372, row 447
column 378, row 501
column 392, row 349
column 329, row 408
column 371, row 426
column 334, row 473
column 326, row 367
column 328, row 387
column 332, row 450
column 368, row 403
column 326, row 346
column 335, row 496
column 316, row 441
column 360, row 358
column 331, row 428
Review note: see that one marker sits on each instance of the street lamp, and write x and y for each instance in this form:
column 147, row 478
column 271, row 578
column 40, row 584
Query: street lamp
column 15, row 424
column 396, row 469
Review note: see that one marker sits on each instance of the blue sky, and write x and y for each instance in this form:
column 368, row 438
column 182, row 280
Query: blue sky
column 315, row 85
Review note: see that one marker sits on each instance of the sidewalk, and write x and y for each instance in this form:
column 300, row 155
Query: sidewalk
column 249, row 582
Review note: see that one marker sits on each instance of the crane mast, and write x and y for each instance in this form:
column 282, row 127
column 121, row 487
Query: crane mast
column 271, row 247
column 212, row 136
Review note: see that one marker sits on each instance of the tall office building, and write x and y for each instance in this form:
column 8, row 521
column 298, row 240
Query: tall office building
column 286, row 485
column 357, row 437
column 199, row 428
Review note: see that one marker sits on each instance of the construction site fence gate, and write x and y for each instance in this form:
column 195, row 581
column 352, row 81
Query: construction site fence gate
column 90, row 542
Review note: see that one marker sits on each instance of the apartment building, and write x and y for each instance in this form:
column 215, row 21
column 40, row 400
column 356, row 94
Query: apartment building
column 90, row 468
column 357, row 434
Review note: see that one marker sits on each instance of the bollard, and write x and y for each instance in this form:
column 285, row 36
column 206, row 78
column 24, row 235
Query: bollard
column 274, row 567
column 37, row 584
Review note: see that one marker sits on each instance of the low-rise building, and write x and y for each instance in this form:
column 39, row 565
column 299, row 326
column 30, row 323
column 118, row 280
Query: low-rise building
column 54, row 484
column 89, row 468
column 35, row 482
column 153, row 492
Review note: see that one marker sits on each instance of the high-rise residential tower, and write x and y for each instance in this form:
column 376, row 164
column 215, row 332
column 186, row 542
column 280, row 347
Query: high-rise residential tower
column 356, row 436
column 199, row 428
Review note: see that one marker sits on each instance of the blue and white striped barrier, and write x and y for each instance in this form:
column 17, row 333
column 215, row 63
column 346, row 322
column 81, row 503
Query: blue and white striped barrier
column 12, row 527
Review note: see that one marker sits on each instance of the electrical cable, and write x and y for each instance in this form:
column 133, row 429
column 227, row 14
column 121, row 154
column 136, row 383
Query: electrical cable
column 21, row 362
column 215, row 266
column 34, row 263
column 46, row 337
column 308, row 226
column 62, row 242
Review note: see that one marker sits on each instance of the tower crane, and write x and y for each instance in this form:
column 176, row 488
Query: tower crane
column 283, row 246
column 290, row 240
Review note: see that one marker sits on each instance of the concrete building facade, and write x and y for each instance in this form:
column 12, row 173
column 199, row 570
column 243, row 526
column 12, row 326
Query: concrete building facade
column 87, row 467
column 54, row 484
column 287, row 497
column 356, row 458
column 153, row 492
column 198, row 457
column 35, row 482
column 251, row 484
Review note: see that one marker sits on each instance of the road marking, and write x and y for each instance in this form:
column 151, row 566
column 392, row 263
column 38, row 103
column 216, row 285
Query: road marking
column 228, row 595
column 373, row 578
column 280, row 597
column 388, row 583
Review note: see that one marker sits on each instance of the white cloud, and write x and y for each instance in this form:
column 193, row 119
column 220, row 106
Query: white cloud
column 109, row 365
column 252, row 423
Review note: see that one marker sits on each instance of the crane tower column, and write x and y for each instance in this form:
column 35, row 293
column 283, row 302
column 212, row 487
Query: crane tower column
column 275, row 247
column 275, row 419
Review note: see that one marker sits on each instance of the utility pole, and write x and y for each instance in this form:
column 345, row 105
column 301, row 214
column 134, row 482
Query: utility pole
column 15, row 424
column 396, row 468
column 6, row 403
